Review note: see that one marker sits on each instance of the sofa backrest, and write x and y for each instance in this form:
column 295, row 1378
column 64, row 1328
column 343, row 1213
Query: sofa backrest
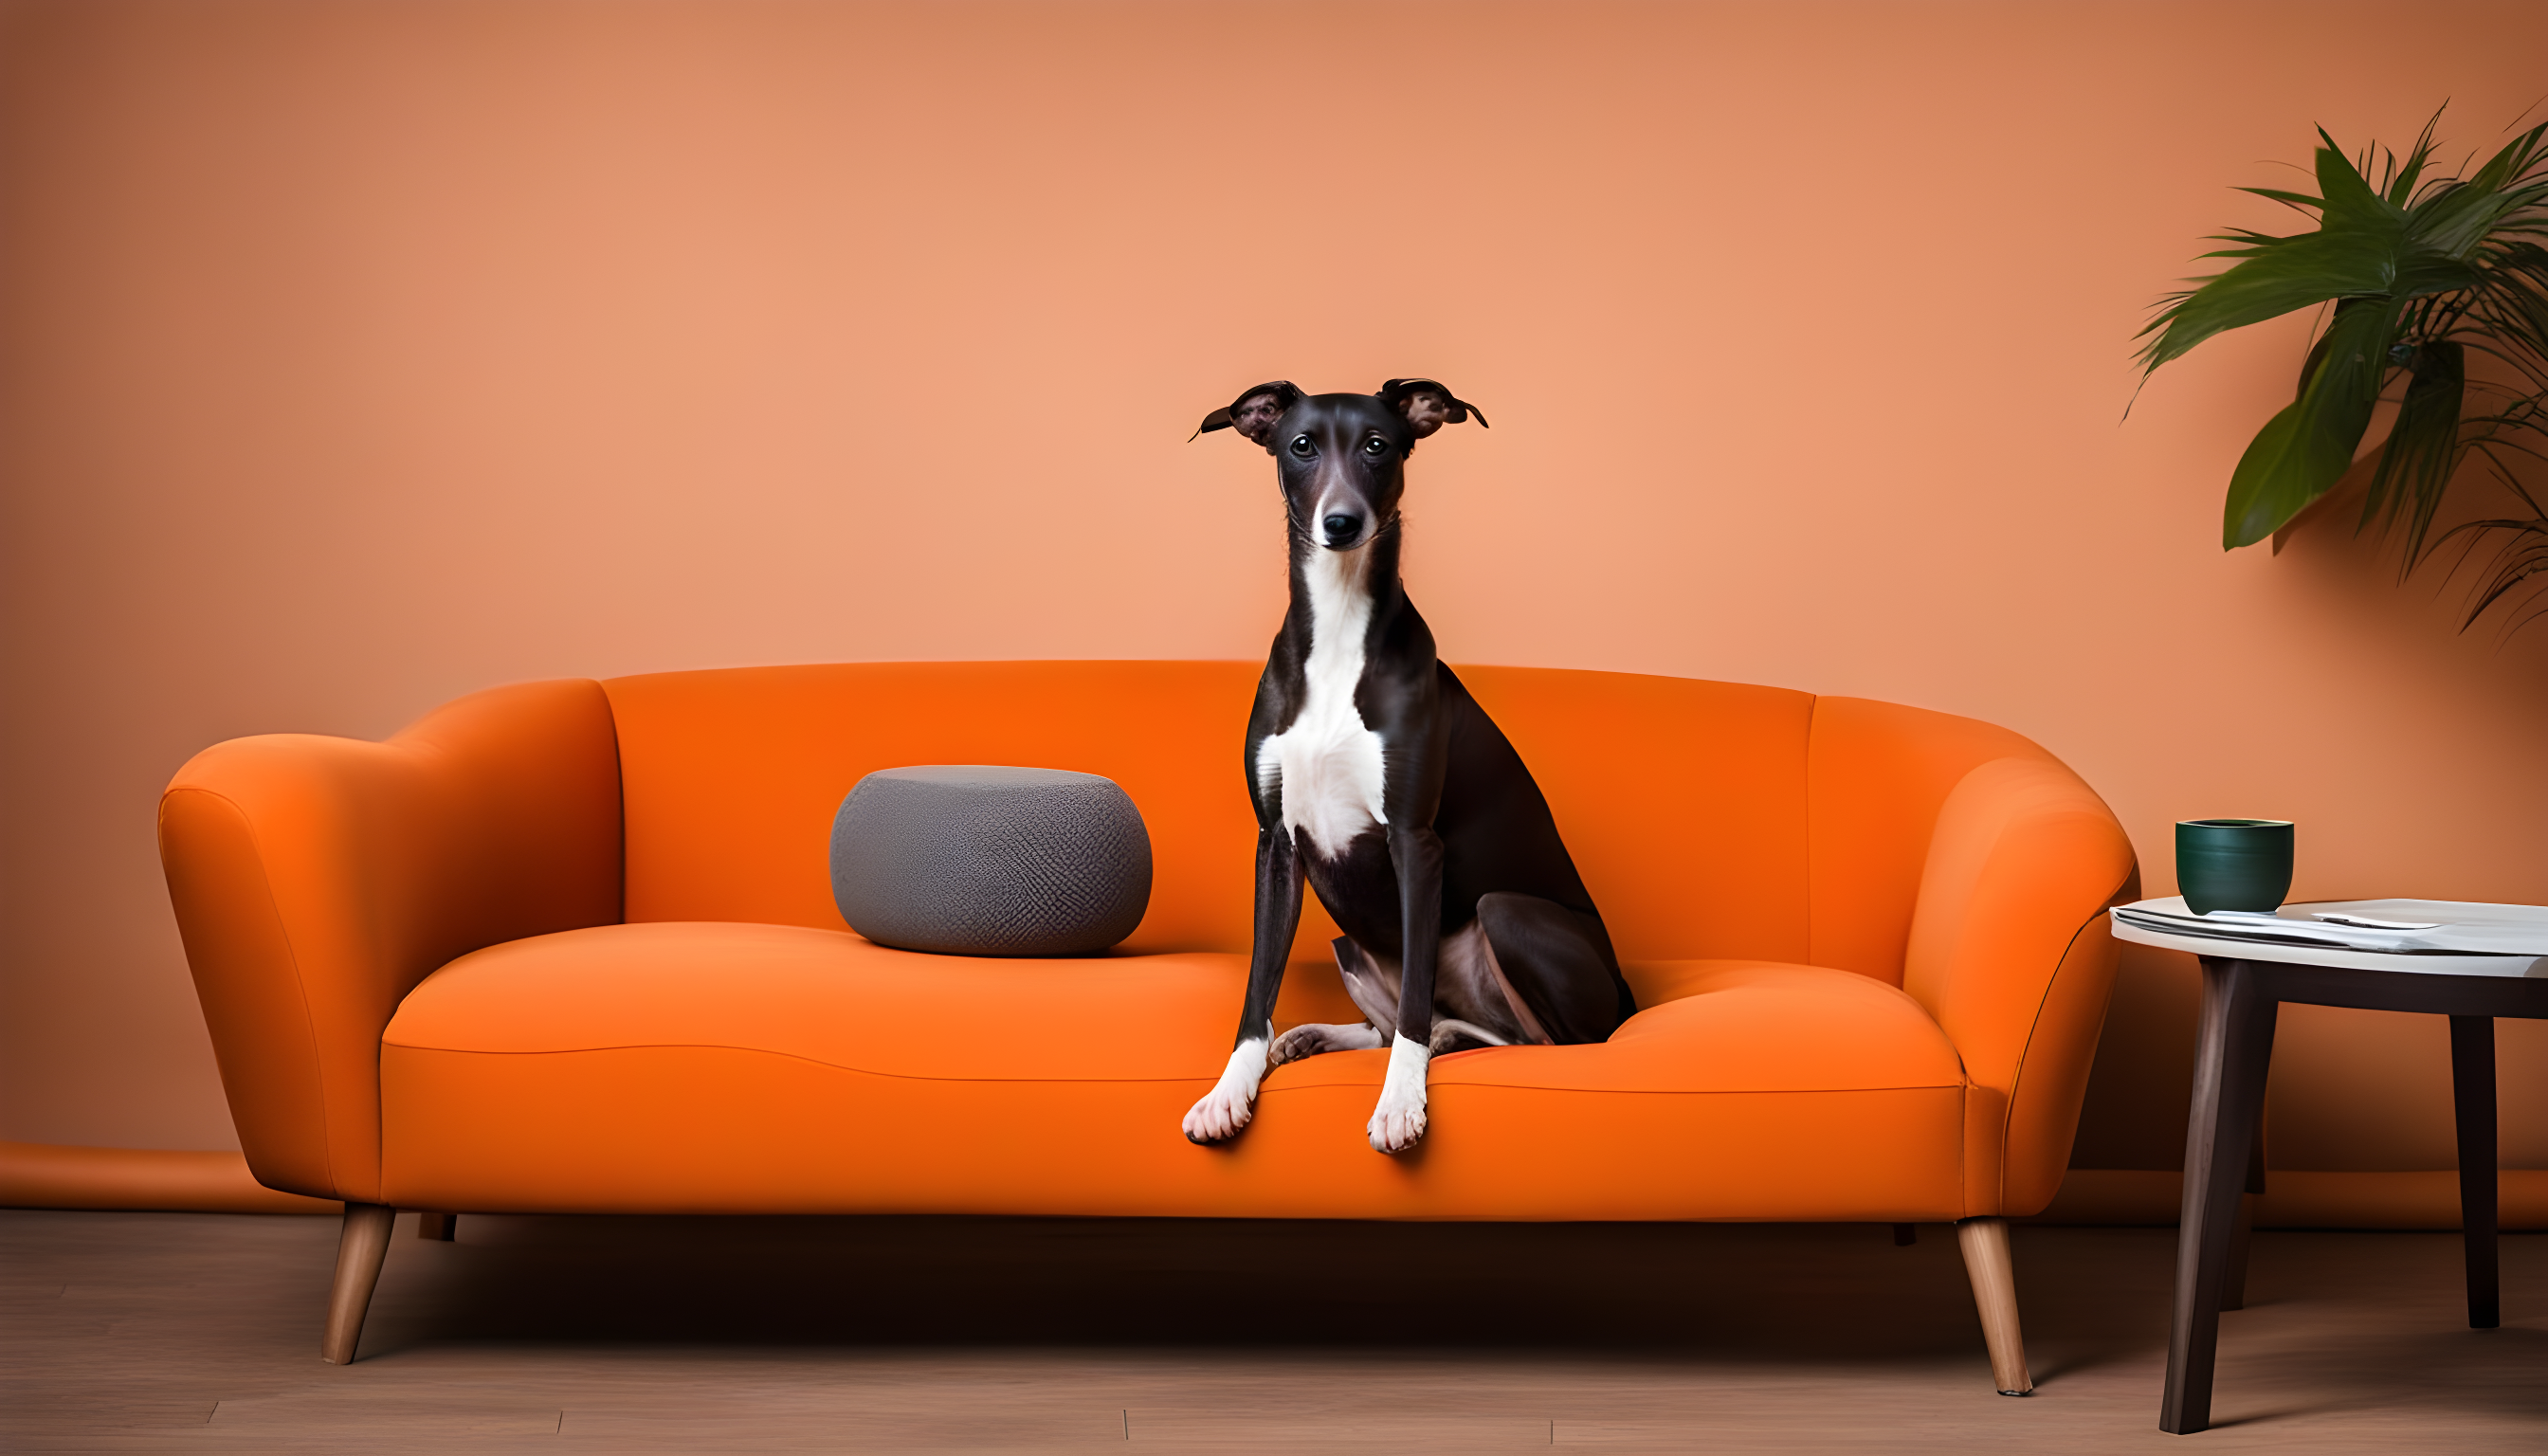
column 732, row 777
column 1718, row 820
column 1710, row 819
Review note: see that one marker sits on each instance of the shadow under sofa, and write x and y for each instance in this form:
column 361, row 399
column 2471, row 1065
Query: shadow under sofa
column 570, row 947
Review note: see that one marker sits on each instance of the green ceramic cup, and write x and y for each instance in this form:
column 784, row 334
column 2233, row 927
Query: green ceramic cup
column 2233, row 864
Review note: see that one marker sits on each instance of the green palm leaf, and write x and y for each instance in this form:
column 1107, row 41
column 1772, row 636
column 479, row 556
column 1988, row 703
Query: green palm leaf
column 2423, row 271
column 2308, row 446
column 2356, row 251
column 2424, row 448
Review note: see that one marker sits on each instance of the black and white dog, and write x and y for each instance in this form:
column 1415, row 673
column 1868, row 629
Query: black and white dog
column 1380, row 781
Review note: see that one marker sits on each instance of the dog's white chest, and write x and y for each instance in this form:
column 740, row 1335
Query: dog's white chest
column 1327, row 763
column 1329, row 766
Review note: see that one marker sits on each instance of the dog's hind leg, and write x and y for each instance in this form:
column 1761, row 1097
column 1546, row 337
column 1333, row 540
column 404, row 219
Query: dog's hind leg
column 1450, row 1034
column 1373, row 985
column 1473, row 1005
column 1319, row 1036
column 1372, row 982
column 1552, row 968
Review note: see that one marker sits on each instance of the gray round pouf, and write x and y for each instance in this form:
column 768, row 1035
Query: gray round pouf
column 975, row 859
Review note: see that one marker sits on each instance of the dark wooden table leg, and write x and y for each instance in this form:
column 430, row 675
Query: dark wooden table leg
column 2231, row 1050
column 2233, row 1267
column 2473, row 1098
column 2233, row 1280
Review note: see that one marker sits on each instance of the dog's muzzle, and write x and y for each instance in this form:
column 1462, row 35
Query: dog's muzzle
column 1342, row 530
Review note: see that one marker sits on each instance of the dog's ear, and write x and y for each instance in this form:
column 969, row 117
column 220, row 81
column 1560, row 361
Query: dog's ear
column 1427, row 406
column 1254, row 413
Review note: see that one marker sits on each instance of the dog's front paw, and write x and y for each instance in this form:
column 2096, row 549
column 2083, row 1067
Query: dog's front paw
column 1396, row 1128
column 1219, row 1116
column 1232, row 1100
column 1398, row 1122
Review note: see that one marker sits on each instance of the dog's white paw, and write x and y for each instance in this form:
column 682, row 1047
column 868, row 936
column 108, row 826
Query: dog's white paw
column 1396, row 1130
column 1232, row 1100
column 1219, row 1116
column 1397, row 1124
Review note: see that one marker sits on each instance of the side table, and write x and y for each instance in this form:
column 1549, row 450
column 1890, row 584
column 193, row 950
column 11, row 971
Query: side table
column 2244, row 982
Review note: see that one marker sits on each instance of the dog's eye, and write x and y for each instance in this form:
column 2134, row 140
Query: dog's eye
column 1375, row 446
column 1302, row 447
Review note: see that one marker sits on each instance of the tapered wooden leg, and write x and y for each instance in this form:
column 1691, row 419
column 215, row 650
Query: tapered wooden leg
column 2232, row 1052
column 2234, row 1271
column 1994, row 1276
column 359, row 1251
column 2473, row 1098
column 2234, row 1278
column 437, row 1226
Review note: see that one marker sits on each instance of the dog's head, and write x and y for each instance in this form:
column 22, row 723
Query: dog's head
column 1342, row 458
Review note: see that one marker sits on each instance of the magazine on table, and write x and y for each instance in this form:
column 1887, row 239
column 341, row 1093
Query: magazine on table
column 2405, row 927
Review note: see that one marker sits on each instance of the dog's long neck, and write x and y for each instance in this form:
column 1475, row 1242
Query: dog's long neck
column 1326, row 757
column 1336, row 595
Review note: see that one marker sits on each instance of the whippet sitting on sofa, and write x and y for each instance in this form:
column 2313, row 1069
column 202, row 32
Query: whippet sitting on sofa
column 1381, row 783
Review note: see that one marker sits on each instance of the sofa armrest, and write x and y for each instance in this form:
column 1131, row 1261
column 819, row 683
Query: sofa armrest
column 2009, row 951
column 316, row 881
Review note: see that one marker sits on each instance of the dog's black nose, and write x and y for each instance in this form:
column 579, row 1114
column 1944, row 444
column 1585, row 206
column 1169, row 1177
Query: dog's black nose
column 1342, row 527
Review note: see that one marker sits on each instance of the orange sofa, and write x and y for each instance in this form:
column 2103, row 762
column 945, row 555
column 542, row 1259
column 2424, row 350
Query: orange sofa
column 571, row 947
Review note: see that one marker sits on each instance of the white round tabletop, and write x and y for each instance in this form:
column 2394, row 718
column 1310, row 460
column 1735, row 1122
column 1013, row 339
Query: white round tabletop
column 2416, row 963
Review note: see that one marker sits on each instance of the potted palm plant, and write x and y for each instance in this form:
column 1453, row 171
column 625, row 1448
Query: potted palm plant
column 2439, row 284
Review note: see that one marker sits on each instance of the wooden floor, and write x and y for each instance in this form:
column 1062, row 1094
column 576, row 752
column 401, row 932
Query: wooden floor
column 170, row 1332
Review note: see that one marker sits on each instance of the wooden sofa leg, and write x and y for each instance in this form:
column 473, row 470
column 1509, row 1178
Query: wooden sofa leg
column 359, row 1251
column 445, row 1226
column 1986, row 1262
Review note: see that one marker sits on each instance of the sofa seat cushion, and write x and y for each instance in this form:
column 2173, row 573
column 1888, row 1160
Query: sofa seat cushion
column 733, row 1067
column 832, row 998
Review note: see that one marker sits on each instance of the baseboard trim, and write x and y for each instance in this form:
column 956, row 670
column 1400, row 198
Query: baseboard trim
column 53, row 1176
column 2295, row 1199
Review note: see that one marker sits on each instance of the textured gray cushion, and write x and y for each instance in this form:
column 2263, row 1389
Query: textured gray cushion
column 973, row 859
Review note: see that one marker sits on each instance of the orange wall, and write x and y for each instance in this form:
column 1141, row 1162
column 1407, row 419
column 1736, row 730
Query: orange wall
column 354, row 356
